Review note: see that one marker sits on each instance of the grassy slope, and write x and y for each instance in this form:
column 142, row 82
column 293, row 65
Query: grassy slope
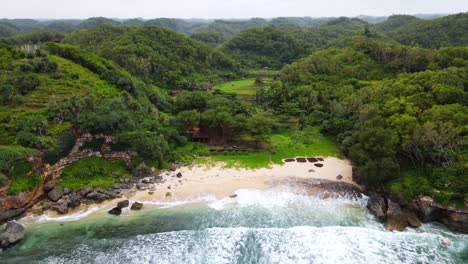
column 55, row 86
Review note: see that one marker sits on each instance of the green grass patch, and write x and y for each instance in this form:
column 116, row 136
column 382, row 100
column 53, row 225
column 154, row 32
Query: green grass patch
column 286, row 143
column 93, row 172
column 23, row 178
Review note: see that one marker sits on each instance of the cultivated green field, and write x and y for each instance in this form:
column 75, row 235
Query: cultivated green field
column 246, row 89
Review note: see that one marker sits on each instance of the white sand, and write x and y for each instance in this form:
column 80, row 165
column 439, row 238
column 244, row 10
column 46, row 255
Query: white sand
column 202, row 180
column 215, row 180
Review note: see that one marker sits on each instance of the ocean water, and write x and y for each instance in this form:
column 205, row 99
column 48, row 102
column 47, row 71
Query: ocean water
column 275, row 226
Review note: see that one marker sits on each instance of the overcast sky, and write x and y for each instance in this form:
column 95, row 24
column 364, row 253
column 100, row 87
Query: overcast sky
column 222, row 8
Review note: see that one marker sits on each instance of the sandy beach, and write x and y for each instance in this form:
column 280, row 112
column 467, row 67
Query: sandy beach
column 218, row 182
column 200, row 180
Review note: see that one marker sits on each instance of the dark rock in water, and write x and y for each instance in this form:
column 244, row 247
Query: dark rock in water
column 312, row 160
column 376, row 204
column 115, row 211
column 319, row 165
column 11, row 213
column 339, row 177
column 49, row 185
column 123, row 204
column 168, row 194
column 55, row 193
column 428, row 211
column 320, row 159
column 311, row 170
column 136, row 206
column 395, row 219
column 233, row 196
column 173, row 167
column 301, row 160
column 289, row 160
column 179, row 175
column 12, row 234
column 412, row 218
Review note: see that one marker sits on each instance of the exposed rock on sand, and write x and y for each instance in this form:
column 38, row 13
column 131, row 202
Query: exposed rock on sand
column 123, row 204
column 136, row 206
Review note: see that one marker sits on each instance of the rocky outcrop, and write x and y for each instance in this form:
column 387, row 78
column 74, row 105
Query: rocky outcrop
column 136, row 206
column 430, row 211
column 115, row 211
column 123, row 204
column 396, row 213
column 12, row 234
column 55, row 193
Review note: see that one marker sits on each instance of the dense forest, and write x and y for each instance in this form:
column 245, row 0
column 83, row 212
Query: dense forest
column 391, row 93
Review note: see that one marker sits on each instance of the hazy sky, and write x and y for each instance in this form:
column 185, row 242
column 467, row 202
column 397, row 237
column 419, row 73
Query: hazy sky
column 221, row 8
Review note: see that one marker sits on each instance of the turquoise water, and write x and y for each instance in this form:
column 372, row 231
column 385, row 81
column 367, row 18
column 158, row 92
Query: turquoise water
column 256, row 227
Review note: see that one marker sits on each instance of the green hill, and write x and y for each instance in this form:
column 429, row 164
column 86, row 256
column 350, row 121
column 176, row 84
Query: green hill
column 265, row 47
column 157, row 55
column 435, row 33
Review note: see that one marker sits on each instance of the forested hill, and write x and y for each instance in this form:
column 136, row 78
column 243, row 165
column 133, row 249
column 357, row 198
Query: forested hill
column 265, row 47
column 157, row 55
column 399, row 112
column 434, row 33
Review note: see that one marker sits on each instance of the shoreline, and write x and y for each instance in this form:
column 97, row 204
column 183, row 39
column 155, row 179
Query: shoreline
column 191, row 183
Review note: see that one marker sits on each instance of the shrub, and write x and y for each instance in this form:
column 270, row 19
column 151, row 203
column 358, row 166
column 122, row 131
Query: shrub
column 24, row 179
column 27, row 83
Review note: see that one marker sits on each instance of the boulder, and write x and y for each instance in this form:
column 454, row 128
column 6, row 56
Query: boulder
column 12, row 234
column 179, row 175
column 123, row 204
column 233, row 196
column 55, row 193
column 49, row 185
column 173, row 167
column 74, row 199
column 115, row 211
column 396, row 220
column 376, row 204
column 86, row 191
column 141, row 186
column 10, row 214
column 97, row 196
column 136, row 206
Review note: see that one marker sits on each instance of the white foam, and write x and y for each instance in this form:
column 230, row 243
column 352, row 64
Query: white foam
column 64, row 218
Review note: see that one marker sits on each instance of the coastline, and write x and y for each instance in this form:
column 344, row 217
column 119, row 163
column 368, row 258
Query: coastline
column 192, row 183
